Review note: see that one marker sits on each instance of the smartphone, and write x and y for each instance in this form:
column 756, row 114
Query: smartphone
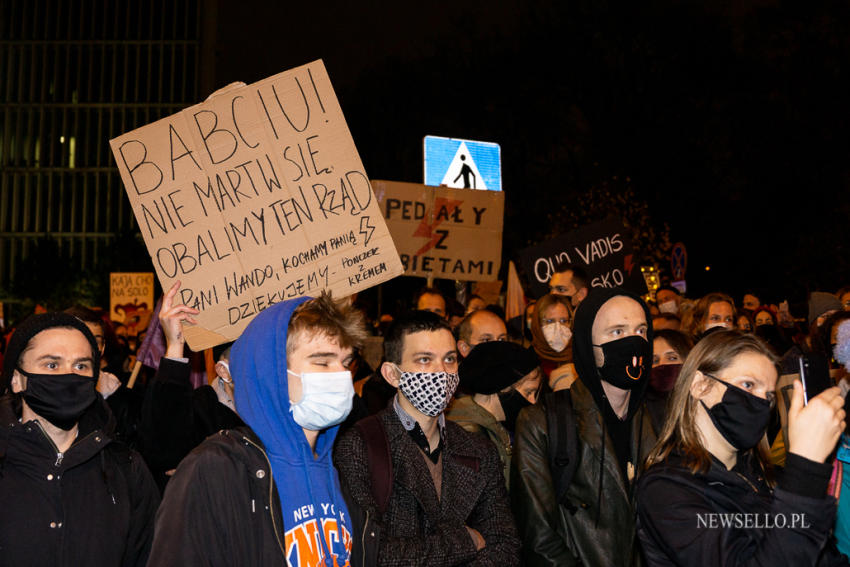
column 814, row 374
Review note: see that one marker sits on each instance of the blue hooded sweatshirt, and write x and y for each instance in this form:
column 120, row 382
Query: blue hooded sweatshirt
column 316, row 523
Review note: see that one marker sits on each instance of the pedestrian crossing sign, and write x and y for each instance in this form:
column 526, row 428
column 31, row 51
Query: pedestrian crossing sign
column 462, row 164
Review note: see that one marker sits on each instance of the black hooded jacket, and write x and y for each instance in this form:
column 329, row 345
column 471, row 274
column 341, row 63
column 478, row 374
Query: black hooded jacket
column 601, row 531
column 618, row 429
column 92, row 505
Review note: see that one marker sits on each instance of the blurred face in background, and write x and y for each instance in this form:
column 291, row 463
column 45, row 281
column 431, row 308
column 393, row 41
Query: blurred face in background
column 719, row 315
column 663, row 353
column 750, row 302
column 763, row 318
column 433, row 303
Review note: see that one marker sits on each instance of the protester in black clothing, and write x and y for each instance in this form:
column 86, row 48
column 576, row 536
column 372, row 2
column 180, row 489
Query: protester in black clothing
column 612, row 350
column 124, row 403
column 176, row 417
column 708, row 496
column 70, row 494
column 669, row 350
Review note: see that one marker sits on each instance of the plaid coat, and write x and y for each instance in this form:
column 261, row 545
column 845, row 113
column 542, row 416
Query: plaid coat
column 418, row 528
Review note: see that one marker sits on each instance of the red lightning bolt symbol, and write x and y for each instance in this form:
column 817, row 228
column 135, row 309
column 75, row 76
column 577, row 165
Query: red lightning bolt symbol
column 627, row 264
column 444, row 207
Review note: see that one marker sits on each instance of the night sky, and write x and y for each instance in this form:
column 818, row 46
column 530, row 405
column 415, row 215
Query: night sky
column 730, row 122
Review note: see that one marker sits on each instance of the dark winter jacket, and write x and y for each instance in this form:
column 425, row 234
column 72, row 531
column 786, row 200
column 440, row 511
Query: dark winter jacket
column 732, row 518
column 221, row 507
column 92, row 505
column 260, row 494
column 418, row 528
column 176, row 417
column 601, row 530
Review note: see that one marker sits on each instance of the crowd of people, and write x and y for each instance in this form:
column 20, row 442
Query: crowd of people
column 597, row 429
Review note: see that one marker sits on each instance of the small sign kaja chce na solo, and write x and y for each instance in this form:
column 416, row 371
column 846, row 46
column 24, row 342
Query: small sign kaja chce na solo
column 255, row 196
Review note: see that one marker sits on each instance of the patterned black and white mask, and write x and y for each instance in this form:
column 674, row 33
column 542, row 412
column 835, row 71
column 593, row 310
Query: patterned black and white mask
column 429, row 392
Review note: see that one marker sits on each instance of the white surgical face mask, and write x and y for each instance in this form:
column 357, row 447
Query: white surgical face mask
column 557, row 335
column 326, row 399
column 669, row 307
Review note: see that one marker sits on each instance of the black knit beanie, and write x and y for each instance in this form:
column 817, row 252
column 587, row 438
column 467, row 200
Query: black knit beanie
column 32, row 326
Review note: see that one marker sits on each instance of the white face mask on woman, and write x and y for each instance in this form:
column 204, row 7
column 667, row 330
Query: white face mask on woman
column 557, row 335
column 326, row 399
column 669, row 307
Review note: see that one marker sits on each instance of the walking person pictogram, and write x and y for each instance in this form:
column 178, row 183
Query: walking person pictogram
column 466, row 172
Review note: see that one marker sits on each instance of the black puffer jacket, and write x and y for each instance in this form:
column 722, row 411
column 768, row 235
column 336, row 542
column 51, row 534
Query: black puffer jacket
column 93, row 505
column 732, row 518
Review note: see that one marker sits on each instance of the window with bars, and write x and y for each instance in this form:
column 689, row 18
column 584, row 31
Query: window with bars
column 73, row 75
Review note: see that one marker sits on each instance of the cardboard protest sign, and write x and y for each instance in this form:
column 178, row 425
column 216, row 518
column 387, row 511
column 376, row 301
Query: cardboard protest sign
column 603, row 249
column 131, row 300
column 444, row 232
column 255, row 196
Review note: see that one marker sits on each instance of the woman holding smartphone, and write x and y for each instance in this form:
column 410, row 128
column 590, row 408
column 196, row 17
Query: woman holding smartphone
column 709, row 495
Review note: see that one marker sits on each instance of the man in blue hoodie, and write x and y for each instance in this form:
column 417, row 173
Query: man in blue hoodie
column 267, row 493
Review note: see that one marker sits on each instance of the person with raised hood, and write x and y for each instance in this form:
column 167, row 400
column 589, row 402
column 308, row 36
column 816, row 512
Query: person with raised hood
column 267, row 493
column 591, row 520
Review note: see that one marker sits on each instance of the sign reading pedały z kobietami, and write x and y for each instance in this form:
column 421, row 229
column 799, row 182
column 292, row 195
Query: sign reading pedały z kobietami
column 255, row 196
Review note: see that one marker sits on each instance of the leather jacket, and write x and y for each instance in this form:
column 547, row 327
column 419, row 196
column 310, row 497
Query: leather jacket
column 601, row 531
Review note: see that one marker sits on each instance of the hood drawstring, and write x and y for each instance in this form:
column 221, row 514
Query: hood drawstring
column 601, row 474
column 637, row 457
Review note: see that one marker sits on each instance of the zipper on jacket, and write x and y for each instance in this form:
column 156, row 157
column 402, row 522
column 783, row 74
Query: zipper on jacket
column 59, row 454
column 271, row 493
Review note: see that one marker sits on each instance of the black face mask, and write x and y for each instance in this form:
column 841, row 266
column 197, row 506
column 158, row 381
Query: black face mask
column 61, row 399
column 624, row 361
column 512, row 402
column 740, row 417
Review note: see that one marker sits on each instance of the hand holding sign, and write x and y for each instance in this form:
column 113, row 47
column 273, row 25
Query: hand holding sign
column 255, row 196
column 170, row 317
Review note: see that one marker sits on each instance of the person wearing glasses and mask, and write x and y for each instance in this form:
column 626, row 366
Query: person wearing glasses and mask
column 551, row 339
column 445, row 501
column 709, row 495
